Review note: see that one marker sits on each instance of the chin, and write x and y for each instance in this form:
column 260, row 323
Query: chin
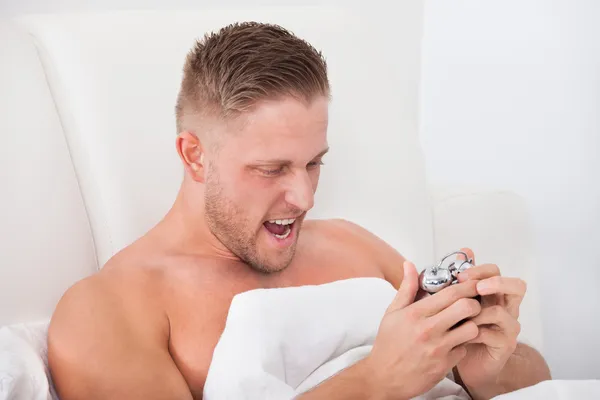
column 274, row 264
column 272, row 254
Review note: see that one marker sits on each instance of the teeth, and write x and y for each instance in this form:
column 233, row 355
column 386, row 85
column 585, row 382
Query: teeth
column 282, row 221
column 284, row 235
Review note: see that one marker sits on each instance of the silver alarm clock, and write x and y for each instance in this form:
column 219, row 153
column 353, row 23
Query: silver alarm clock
column 445, row 273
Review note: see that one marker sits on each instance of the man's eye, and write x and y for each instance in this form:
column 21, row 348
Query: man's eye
column 314, row 164
column 272, row 172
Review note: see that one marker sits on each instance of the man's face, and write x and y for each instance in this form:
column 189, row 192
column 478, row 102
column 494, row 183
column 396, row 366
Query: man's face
column 263, row 180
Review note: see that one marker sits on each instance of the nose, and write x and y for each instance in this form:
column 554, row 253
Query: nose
column 300, row 192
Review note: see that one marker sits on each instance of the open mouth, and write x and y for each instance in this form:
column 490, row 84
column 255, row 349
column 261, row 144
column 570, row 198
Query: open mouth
column 280, row 228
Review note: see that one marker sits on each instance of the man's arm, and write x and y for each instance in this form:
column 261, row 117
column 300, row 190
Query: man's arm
column 526, row 367
column 101, row 347
column 388, row 259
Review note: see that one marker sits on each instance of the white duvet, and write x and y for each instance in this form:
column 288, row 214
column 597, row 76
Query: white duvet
column 277, row 343
column 23, row 363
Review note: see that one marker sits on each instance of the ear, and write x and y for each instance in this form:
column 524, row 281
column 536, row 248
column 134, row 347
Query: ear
column 191, row 153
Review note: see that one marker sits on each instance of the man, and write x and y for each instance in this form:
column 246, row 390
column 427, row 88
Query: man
column 252, row 133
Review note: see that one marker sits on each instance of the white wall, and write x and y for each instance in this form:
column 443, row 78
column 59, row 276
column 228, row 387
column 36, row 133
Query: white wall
column 511, row 98
column 17, row 7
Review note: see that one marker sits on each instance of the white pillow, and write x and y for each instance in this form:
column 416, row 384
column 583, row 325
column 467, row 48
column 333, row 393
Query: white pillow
column 24, row 370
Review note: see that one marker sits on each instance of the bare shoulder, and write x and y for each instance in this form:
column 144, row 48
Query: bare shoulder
column 109, row 297
column 105, row 326
column 94, row 310
column 361, row 239
column 111, row 294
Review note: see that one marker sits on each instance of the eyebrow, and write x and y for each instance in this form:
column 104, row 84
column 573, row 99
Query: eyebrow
column 289, row 162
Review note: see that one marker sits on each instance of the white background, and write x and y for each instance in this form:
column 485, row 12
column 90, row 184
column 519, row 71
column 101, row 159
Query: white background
column 510, row 99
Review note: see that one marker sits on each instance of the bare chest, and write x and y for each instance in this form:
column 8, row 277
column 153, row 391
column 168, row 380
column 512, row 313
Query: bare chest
column 199, row 308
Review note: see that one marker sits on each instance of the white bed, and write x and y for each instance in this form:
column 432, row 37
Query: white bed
column 263, row 328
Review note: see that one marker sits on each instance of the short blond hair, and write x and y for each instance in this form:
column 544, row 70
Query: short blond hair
column 229, row 71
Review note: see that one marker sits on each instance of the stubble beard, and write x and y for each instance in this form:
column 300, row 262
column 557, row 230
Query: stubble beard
column 229, row 224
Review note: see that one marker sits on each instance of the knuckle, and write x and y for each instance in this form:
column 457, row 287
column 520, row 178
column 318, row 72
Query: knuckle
column 468, row 307
column 459, row 353
column 471, row 289
column 518, row 327
column 523, row 286
column 412, row 314
column 495, row 269
column 474, row 307
column 463, row 305
column 423, row 334
column 471, row 330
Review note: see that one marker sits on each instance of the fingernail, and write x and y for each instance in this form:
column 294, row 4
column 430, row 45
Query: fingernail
column 482, row 286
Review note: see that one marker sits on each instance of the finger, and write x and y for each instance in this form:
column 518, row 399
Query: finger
column 479, row 272
column 461, row 309
column 493, row 300
column 500, row 317
column 457, row 354
column 469, row 253
column 408, row 288
column 510, row 290
column 502, row 285
column 432, row 305
column 513, row 305
column 491, row 338
column 462, row 334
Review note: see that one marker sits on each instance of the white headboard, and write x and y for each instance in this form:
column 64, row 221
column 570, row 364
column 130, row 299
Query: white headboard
column 90, row 114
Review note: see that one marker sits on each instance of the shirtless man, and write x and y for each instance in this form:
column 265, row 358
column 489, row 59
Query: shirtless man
column 252, row 131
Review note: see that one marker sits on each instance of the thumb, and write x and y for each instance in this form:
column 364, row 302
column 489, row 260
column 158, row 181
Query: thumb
column 408, row 288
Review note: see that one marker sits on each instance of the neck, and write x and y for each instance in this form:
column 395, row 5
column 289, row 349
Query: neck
column 185, row 229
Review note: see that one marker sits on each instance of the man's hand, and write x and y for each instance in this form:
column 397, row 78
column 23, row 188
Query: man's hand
column 498, row 325
column 415, row 347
